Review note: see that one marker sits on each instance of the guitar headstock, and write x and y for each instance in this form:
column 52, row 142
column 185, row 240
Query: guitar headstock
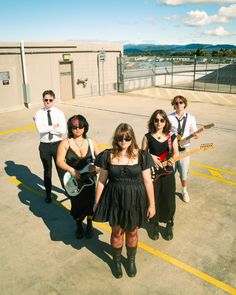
column 207, row 146
column 208, row 126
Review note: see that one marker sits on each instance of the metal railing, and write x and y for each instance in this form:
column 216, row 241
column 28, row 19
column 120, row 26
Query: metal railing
column 195, row 73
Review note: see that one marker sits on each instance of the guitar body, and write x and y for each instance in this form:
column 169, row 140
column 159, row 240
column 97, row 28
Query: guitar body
column 158, row 172
column 74, row 186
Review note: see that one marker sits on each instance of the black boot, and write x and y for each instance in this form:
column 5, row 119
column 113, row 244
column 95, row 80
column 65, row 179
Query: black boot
column 131, row 267
column 116, row 267
column 155, row 232
column 79, row 230
column 169, row 230
column 89, row 229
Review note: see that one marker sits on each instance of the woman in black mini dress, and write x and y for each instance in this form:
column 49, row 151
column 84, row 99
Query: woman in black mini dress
column 162, row 145
column 73, row 154
column 124, row 194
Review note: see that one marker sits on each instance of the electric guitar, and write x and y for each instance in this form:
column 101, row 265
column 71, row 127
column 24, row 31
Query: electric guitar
column 182, row 141
column 157, row 172
column 74, row 186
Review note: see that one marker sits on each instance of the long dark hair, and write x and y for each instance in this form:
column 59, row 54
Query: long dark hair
column 151, row 122
column 77, row 120
column 124, row 129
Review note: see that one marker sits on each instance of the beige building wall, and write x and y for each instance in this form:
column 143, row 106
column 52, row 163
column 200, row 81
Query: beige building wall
column 47, row 68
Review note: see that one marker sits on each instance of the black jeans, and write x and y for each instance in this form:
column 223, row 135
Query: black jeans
column 48, row 151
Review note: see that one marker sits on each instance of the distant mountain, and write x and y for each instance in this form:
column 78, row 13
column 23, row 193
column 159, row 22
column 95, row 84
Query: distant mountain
column 152, row 48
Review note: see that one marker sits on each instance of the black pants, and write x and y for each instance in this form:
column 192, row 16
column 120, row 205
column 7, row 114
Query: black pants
column 48, row 151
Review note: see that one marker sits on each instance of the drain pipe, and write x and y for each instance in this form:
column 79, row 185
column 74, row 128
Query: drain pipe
column 25, row 82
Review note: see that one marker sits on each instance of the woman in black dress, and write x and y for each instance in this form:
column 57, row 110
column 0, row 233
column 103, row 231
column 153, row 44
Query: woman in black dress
column 124, row 194
column 73, row 154
column 162, row 145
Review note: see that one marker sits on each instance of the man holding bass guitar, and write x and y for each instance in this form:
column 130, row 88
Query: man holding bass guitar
column 183, row 124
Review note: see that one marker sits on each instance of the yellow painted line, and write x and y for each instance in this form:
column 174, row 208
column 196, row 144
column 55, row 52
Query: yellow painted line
column 209, row 96
column 222, row 97
column 31, row 127
column 169, row 93
column 157, row 91
column 212, row 177
column 151, row 250
column 196, row 96
column 215, row 173
column 213, row 168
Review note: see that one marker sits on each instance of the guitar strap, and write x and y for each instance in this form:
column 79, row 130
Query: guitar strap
column 91, row 148
column 169, row 143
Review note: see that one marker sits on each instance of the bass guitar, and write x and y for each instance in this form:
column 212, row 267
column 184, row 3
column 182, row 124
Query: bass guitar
column 182, row 141
column 74, row 186
column 157, row 172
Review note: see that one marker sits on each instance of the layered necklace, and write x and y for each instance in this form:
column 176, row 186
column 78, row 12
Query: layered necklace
column 79, row 143
column 123, row 159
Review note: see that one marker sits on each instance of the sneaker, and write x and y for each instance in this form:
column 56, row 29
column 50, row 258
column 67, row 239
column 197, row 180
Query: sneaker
column 185, row 195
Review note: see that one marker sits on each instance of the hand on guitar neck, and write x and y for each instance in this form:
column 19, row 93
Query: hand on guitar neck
column 182, row 141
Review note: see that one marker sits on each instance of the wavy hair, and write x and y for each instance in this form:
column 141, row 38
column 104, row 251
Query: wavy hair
column 77, row 120
column 151, row 122
column 124, row 129
column 184, row 99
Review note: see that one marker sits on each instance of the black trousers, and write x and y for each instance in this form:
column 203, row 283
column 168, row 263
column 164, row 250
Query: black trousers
column 48, row 151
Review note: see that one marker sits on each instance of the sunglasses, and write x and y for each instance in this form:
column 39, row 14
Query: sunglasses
column 124, row 138
column 77, row 127
column 47, row 100
column 160, row 120
column 179, row 102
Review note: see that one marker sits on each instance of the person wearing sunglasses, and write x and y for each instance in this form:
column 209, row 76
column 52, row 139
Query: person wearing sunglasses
column 182, row 124
column 163, row 146
column 51, row 124
column 124, row 194
column 76, row 152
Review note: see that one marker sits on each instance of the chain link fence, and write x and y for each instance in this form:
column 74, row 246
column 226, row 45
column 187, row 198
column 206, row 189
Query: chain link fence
column 195, row 73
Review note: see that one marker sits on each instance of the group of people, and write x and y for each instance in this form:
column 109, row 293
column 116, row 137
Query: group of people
column 125, row 194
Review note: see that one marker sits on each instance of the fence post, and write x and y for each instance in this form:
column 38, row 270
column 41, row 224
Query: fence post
column 194, row 71
column 120, row 74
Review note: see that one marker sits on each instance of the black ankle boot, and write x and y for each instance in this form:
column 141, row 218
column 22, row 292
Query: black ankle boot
column 79, row 230
column 169, row 231
column 116, row 267
column 155, row 232
column 131, row 267
column 89, row 229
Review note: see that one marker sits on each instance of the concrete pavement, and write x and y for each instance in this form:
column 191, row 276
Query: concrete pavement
column 39, row 253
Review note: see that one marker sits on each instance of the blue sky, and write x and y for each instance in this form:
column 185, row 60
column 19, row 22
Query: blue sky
column 129, row 21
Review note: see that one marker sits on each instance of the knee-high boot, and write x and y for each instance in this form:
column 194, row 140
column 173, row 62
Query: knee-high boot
column 116, row 267
column 131, row 267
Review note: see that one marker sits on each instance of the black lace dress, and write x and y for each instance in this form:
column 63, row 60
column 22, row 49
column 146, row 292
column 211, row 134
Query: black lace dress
column 124, row 200
column 165, row 187
column 82, row 204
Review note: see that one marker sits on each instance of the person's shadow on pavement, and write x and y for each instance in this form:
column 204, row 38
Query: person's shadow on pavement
column 58, row 220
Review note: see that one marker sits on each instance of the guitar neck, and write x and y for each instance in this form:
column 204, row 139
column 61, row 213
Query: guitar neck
column 187, row 154
column 192, row 135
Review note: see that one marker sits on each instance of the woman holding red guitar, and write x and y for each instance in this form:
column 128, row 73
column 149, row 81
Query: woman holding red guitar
column 162, row 145
column 75, row 153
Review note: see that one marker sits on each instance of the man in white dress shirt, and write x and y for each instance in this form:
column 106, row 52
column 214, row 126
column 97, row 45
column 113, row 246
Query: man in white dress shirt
column 51, row 125
column 183, row 124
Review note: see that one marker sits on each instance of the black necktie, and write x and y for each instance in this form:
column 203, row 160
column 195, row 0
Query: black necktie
column 50, row 136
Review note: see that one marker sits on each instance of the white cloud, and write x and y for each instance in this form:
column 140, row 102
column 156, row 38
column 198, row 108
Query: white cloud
column 220, row 31
column 200, row 18
column 228, row 12
column 180, row 2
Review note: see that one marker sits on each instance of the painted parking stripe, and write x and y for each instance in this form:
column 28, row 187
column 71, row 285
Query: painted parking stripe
column 31, row 127
column 150, row 249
